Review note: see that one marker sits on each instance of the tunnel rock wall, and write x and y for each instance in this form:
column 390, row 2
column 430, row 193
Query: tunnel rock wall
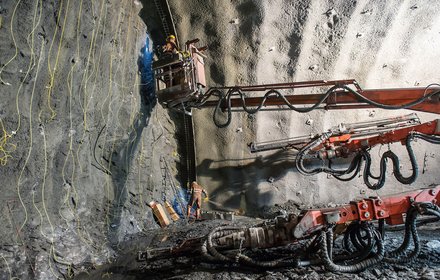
column 78, row 125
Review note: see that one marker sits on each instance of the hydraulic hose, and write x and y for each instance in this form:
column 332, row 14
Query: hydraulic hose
column 396, row 168
column 355, row 165
column 363, row 155
column 211, row 253
column 433, row 139
column 227, row 98
column 350, row 268
column 362, row 241
column 217, row 107
column 363, row 248
column 299, row 160
column 400, row 255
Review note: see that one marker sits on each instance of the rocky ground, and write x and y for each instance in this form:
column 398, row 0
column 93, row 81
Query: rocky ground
column 195, row 267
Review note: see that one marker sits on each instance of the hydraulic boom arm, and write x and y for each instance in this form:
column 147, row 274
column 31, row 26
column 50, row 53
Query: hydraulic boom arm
column 307, row 238
column 343, row 94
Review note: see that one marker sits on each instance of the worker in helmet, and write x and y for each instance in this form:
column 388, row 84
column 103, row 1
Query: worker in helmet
column 171, row 46
column 196, row 197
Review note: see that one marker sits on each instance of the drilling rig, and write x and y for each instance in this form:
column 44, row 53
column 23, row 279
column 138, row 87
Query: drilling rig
column 308, row 238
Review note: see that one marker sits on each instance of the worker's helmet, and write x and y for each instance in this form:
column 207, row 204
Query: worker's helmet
column 171, row 37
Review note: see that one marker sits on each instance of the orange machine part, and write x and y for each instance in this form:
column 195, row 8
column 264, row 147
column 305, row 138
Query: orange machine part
column 337, row 100
column 390, row 208
column 429, row 128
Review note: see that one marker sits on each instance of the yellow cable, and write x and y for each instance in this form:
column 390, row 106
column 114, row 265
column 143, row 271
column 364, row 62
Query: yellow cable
column 7, row 266
column 65, row 201
column 43, row 198
column 84, row 82
column 49, row 53
column 31, row 61
column 109, row 114
column 39, row 213
column 5, row 148
column 51, row 84
column 122, row 99
column 30, row 139
column 15, row 44
column 71, row 154
column 95, row 79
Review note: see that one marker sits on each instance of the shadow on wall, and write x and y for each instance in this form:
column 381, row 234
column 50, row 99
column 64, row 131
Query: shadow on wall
column 240, row 183
column 125, row 150
column 151, row 18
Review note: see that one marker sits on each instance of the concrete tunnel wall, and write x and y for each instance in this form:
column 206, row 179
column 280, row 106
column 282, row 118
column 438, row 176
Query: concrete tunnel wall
column 379, row 43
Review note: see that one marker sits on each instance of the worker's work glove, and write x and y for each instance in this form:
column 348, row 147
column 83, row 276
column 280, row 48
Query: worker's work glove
column 206, row 199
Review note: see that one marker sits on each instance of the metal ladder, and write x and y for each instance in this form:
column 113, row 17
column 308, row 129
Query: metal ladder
column 163, row 17
column 189, row 152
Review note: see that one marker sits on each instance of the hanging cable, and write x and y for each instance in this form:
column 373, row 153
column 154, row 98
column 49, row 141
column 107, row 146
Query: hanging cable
column 364, row 155
column 356, row 266
column 224, row 101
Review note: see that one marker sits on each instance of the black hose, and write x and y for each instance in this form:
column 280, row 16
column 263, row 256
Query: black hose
column 393, row 107
column 382, row 228
column 217, row 107
column 396, row 165
column 400, row 255
column 396, row 168
column 363, row 155
column 355, row 165
column 367, row 247
column 364, row 245
column 324, row 97
column 211, row 253
column 357, row 266
column 299, row 160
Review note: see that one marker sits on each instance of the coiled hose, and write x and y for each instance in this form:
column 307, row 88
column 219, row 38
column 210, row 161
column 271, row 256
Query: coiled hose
column 212, row 254
column 299, row 160
column 222, row 98
column 400, row 255
column 364, row 155
column 356, row 266
column 363, row 248
column 395, row 160
column 362, row 241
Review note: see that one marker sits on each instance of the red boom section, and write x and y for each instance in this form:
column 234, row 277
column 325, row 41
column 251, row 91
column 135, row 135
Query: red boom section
column 340, row 99
column 429, row 128
column 391, row 208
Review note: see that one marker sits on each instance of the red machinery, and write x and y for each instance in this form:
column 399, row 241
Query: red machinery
column 180, row 77
column 309, row 236
column 391, row 208
column 312, row 230
column 338, row 94
column 355, row 141
column 187, row 90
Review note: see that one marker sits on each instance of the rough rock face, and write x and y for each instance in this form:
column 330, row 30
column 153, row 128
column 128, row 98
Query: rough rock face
column 78, row 123
column 379, row 43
